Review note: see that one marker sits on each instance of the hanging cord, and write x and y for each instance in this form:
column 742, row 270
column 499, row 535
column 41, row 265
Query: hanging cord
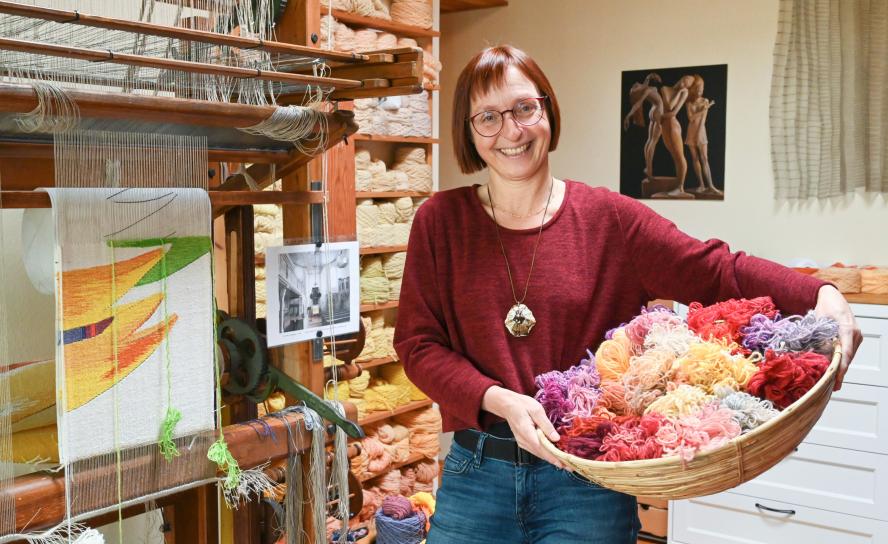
column 116, row 400
column 173, row 416
column 218, row 452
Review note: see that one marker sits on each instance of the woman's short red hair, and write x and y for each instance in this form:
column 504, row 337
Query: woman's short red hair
column 485, row 71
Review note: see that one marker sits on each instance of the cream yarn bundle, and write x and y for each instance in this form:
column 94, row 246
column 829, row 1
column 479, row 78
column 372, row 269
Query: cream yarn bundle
column 365, row 8
column 374, row 284
column 412, row 12
column 412, row 162
column 406, row 115
column 268, row 227
column 431, row 66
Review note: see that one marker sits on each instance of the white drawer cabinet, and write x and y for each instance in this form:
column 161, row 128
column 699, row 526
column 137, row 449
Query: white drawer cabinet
column 844, row 481
column 856, row 418
column 833, row 489
column 870, row 365
column 729, row 518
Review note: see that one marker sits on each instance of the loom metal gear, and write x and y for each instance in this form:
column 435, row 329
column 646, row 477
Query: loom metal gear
column 249, row 374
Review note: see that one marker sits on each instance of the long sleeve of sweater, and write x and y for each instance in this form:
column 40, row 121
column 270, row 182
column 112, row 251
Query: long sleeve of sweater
column 673, row 265
column 421, row 337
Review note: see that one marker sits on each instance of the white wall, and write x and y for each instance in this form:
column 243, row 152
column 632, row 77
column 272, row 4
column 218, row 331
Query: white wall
column 584, row 45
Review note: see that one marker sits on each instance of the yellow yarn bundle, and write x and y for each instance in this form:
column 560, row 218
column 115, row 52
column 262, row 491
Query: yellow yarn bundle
column 338, row 391
column 395, row 375
column 612, row 359
column 358, row 385
column 684, row 400
column 711, row 365
column 385, row 397
column 374, row 284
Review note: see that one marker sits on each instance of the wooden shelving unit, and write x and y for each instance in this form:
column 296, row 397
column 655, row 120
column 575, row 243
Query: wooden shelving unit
column 377, row 362
column 382, row 415
column 449, row 6
column 391, row 194
column 359, row 21
column 414, row 458
column 382, row 250
column 384, row 148
column 384, row 306
column 361, row 137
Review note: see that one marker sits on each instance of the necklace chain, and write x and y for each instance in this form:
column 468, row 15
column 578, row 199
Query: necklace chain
column 535, row 247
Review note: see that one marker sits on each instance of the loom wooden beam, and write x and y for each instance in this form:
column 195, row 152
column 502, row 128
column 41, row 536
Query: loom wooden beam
column 23, row 98
column 40, row 498
column 43, row 150
column 150, row 29
column 219, row 199
column 128, row 59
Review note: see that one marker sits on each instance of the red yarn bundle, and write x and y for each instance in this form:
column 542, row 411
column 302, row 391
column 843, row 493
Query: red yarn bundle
column 723, row 321
column 784, row 378
column 633, row 439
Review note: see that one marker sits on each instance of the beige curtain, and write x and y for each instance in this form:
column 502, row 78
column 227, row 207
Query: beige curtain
column 829, row 98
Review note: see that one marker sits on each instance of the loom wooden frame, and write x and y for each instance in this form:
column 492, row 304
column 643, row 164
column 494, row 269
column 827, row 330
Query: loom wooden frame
column 193, row 514
column 739, row 461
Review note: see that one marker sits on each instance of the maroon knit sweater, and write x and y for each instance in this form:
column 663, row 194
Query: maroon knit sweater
column 601, row 258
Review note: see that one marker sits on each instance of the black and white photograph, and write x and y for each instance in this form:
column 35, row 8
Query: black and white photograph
column 312, row 288
column 673, row 133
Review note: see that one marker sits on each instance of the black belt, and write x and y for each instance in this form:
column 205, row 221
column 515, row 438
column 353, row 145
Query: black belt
column 498, row 445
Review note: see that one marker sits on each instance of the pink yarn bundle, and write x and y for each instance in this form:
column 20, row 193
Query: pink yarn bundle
column 710, row 428
column 640, row 326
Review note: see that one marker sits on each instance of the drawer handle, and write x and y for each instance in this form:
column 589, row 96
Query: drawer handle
column 775, row 510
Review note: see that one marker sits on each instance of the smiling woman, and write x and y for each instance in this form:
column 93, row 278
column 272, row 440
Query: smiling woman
column 518, row 277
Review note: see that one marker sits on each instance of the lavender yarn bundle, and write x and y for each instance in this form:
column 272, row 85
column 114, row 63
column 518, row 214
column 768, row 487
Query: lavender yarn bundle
column 793, row 333
column 398, row 523
column 571, row 393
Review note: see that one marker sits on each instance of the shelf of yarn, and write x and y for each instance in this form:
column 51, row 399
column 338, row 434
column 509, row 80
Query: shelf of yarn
column 376, row 307
column 360, row 21
column 368, row 26
column 372, row 363
column 382, row 249
column 382, row 415
column 414, row 458
column 419, row 140
column 392, row 194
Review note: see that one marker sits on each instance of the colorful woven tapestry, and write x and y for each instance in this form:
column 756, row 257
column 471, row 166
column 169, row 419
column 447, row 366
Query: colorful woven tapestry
column 135, row 346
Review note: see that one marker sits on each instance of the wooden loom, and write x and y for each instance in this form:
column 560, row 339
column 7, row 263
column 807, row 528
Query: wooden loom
column 26, row 163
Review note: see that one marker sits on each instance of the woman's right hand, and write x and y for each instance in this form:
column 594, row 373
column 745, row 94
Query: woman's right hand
column 524, row 416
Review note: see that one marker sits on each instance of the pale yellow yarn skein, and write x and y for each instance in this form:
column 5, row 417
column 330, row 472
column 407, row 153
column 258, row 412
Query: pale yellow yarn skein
column 395, row 375
column 684, row 400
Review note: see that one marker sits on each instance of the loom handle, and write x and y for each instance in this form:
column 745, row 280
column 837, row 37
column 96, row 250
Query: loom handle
column 295, row 389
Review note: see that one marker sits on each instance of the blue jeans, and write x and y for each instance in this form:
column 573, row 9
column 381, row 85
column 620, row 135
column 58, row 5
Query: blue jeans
column 490, row 501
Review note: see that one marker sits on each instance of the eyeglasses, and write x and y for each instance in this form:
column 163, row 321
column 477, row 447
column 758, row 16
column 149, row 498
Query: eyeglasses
column 527, row 112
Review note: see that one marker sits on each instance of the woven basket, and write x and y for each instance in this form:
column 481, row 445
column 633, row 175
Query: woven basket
column 716, row 470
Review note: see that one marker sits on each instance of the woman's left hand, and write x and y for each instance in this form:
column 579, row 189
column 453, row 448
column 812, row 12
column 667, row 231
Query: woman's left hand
column 831, row 303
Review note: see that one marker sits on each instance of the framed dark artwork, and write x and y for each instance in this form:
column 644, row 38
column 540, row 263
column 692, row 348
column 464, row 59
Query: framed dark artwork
column 672, row 143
